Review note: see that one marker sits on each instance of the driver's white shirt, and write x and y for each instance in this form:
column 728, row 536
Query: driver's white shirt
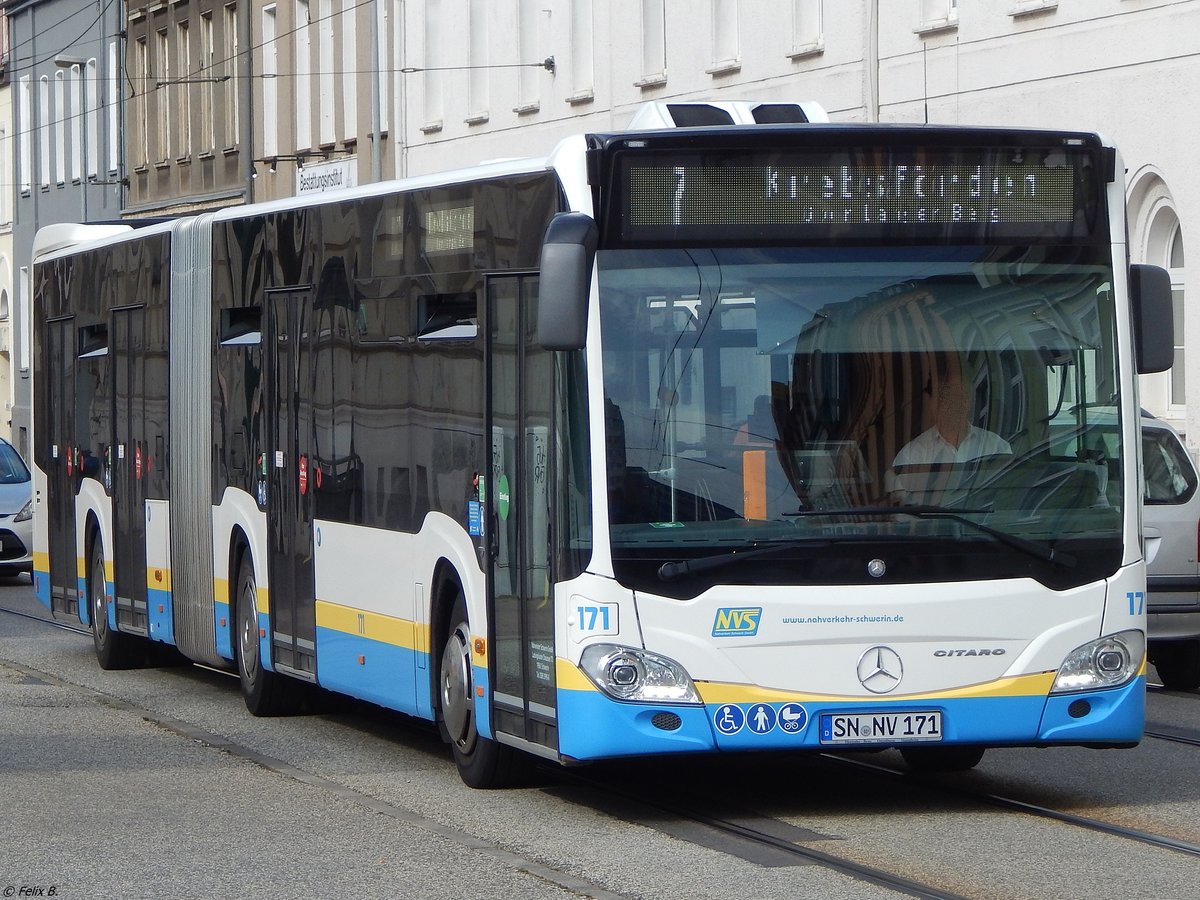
column 930, row 449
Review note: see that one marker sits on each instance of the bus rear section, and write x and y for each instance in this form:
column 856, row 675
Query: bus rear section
column 868, row 433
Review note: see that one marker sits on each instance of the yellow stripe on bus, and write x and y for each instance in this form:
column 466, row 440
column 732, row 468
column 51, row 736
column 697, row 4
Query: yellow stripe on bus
column 373, row 626
column 158, row 578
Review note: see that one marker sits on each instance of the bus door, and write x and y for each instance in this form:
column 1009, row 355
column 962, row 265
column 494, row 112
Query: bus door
column 130, row 467
column 289, row 494
column 59, row 503
column 517, row 500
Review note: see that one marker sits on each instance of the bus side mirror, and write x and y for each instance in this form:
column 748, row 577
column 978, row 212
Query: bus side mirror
column 1153, row 318
column 567, row 254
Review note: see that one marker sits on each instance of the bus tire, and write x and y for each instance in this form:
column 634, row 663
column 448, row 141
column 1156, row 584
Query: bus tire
column 1178, row 664
column 114, row 649
column 482, row 763
column 932, row 760
column 266, row 693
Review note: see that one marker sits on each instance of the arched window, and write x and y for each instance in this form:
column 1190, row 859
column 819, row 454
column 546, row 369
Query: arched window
column 1164, row 247
column 1157, row 239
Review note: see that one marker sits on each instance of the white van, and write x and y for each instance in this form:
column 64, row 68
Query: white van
column 1171, row 526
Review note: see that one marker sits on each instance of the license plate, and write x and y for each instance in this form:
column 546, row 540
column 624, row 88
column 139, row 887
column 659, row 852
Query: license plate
column 881, row 728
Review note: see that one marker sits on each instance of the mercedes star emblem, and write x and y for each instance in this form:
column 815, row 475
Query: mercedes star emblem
column 880, row 670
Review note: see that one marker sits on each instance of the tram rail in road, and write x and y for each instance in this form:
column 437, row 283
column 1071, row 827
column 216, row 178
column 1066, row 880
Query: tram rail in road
column 759, row 839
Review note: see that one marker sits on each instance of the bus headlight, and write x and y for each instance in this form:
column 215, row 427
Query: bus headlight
column 1108, row 662
column 627, row 673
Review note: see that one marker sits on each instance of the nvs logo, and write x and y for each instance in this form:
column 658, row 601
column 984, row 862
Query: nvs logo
column 731, row 621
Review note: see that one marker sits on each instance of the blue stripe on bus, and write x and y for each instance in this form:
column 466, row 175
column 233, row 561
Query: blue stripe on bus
column 41, row 587
column 591, row 726
column 85, row 607
column 386, row 674
column 160, row 615
column 483, row 710
column 222, row 630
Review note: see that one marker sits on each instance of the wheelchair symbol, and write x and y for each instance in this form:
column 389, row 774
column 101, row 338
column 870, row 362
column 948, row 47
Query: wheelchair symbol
column 729, row 719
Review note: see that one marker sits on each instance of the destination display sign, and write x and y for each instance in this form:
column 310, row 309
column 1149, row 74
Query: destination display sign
column 944, row 194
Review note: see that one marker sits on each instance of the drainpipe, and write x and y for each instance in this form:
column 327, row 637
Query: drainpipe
column 245, row 95
column 376, row 113
column 871, row 62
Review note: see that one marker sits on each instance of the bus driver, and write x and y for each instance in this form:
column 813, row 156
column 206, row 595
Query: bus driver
column 921, row 468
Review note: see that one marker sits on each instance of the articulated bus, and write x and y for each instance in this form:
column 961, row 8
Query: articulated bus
column 737, row 430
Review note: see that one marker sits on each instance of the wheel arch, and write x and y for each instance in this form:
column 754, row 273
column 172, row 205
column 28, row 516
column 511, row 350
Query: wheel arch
column 92, row 532
column 446, row 587
column 238, row 550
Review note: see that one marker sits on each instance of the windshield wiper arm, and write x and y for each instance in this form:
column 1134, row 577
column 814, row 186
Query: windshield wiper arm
column 669, row 571
column 1033, row 548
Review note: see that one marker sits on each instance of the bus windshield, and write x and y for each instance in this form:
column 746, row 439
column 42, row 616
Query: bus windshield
column 957, row 403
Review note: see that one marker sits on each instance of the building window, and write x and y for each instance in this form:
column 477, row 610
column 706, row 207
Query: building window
column 230, row 85
column 75, row 89
column 44, row 131
column 114, row 108
column 207, row 139
column 1155, row 231
column 6, row 197
column 477, row 58
column 1175, row 267
column 582, row 68
column 302, row 86
column 807, row 34
column 60, row 127
column 91, row 144
column 325, row 88
column 350, row 69
column 654, row 43
column 25, row 134
column 182, row 90
column 1164, row 248
column 163, row 58
column 270, row 84
column 25, row 316
column 726, row 38
column 434, row 15
column 389, row 49
column 938, row 15
column 142, row 101
column 528, row 78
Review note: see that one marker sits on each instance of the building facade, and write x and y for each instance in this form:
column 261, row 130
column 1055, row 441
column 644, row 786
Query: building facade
column 65, row 78
column 186, row 118
column 233, row 102
column 7, row 388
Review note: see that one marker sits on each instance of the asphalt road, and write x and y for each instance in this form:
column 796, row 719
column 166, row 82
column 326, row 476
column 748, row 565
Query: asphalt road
column 157, row 783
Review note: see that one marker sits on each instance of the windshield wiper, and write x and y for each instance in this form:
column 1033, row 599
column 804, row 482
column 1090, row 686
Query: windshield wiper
column 1033, row 548
column 670, row 571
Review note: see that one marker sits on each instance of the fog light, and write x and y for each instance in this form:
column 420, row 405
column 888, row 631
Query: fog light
column 1078, row 709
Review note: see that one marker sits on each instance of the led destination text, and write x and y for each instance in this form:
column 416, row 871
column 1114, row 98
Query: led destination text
column 683, row 196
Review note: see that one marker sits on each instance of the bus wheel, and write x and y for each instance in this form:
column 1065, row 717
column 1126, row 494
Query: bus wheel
column 114, row 649
column 482, row 763
column 931, row 760
column 266, row 693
